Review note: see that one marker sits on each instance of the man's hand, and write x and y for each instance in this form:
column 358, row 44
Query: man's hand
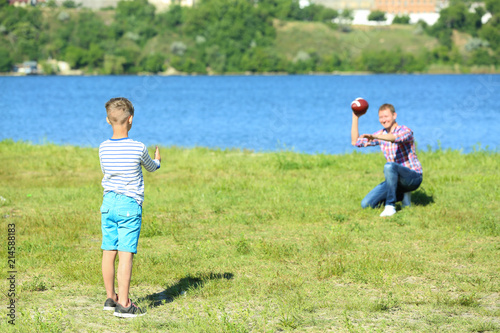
column 357, row 115
column 157, row 154
column 369, row 137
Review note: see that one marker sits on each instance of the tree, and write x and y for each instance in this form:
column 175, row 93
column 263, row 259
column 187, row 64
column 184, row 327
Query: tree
column 215, row 59
column 491, row 32
column 69, row 4
column 347, row 14
column 154, row 63
column 75, row 56
column 452, row 17
column 5, row 61
column 345, row 18
column 377, row 15
column 89, row 29
column 481, row 57
column 94, row 57
column 329, row 63
column 172, row 18
column 113, row 65
column 392, row 62
column 280, row 9
column 230, row 29
column 135, row 16
column 403, row 19
column 493, row 6
column 51, row 4
column 130, row 53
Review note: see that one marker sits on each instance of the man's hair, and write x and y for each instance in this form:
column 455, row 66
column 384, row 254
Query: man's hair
column 387, row 106
column 118, row 110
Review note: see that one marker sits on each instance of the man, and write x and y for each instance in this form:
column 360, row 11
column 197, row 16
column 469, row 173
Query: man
column 403, row 171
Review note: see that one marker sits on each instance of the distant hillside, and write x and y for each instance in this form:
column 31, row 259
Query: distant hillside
column 237, row 36
column 293, row 37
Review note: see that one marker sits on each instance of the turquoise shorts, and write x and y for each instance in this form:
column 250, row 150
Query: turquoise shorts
column 121, row 218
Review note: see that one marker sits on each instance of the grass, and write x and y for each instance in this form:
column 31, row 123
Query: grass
column 292, row 37
column 237, row 241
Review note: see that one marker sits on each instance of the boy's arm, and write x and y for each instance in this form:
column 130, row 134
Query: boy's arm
column 148, row 163
column 157, row 154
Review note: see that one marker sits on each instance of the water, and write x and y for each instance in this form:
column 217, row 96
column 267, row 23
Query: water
column 263, row 113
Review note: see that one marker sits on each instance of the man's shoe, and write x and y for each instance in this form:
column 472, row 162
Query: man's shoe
column 406, row 200
column 130, row 312
column 110, row 304
column 388, row 211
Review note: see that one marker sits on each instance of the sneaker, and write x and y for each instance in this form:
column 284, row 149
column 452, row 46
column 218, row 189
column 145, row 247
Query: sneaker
column 406, row 202
column 130, row 312
column 388, row 211
column 110, row 304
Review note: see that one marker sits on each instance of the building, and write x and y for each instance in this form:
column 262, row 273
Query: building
column 93, row 4
column 424, row 10
column 388, row 6
column 346, row 4
column 410, row 6
column 23, row 3
column 27, row 67
column 97, row 4
column 162, row 5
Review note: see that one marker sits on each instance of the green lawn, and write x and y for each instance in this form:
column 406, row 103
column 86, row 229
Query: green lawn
column 237, row 241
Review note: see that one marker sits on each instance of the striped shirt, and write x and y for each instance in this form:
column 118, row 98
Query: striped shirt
column 121, row 161
column 401, row 151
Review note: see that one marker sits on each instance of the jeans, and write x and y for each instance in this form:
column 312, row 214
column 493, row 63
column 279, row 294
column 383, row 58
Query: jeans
column 398, row 180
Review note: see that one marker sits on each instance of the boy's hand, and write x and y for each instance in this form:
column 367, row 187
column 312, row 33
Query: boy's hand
column 157, row 154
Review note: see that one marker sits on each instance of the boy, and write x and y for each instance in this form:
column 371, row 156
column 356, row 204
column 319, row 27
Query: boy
column 403, row 171
column 121, row 211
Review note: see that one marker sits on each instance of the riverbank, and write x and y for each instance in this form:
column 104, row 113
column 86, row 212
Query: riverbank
column 433, row 69
column 238, row 241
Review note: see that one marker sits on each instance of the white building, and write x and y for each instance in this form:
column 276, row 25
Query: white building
column 361, row 18
column 159, row 4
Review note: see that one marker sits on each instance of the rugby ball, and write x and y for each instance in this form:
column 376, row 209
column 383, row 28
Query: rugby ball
column 359, row 106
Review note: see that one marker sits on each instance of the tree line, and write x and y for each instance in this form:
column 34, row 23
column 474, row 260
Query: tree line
column 220, row 36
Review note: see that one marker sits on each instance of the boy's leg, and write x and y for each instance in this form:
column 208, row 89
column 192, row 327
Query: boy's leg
column 129, row 228
column 375, row 197
column 397, row 175
column 124, row 276
column 108, row 273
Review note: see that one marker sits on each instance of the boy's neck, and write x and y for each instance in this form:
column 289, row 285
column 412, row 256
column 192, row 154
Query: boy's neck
column 119, row 132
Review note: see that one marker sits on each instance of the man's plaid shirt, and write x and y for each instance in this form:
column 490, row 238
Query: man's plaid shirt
column 401, row 151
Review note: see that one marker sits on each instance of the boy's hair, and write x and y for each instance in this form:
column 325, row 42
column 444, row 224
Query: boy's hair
column 387, row 106
column 118, row 110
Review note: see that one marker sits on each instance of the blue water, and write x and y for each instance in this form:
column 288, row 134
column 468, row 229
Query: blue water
column 263, row 113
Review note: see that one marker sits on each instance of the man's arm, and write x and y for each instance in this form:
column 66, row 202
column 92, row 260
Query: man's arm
column 384, row 137
column 354, row 129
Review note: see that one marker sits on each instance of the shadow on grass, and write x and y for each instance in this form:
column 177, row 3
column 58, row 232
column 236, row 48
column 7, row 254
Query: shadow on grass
column 421, row 198
column 183, row 285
